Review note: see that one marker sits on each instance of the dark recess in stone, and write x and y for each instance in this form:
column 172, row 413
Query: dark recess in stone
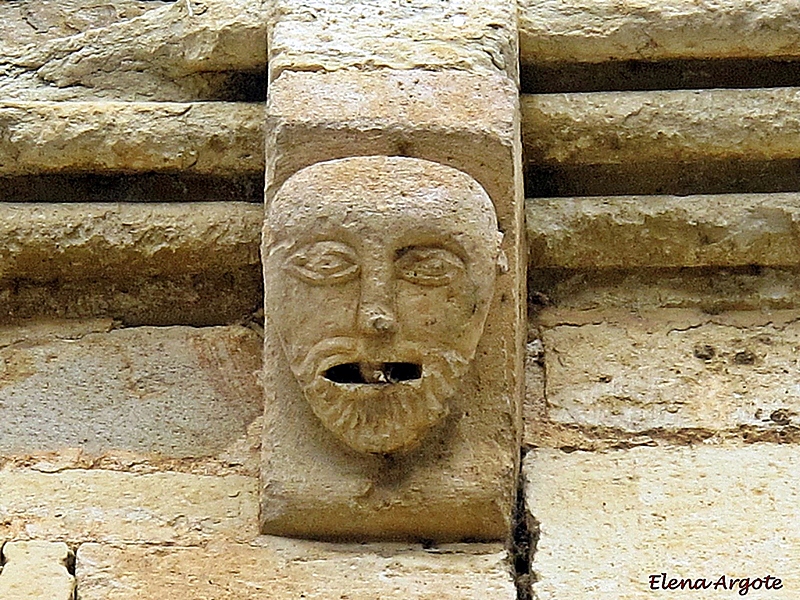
column 634, row 75
column 523, row 543
column 681, row 179
column 145, row 187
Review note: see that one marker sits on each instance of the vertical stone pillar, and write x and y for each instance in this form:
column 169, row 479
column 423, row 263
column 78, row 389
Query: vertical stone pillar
column 394, row 271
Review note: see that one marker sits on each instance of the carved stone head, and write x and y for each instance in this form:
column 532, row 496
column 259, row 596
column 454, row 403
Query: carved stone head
column 379, row 272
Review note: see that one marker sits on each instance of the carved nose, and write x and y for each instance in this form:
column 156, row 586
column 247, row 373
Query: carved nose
column 377, row 320
column 375, row 310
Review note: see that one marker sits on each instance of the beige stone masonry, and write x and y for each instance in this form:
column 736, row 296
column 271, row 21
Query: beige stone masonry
column 609, row 520
column 313, row 488
column 36, row 570
column 119, row 241
column 325, row 35
column 24, row 23
column 169, row 53
column 153, row 392
column 219, row 138
column 598, row 31
column 712, row 290
column 626, row 232
column 672, row 370
column 280, row 569
column 617, row 128
column 443, row 117
column 109, row 506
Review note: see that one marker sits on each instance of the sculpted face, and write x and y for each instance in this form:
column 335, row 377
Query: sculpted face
column 379, row 272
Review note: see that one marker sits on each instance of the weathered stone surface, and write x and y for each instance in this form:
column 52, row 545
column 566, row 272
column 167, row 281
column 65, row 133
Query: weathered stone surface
column 617, row 128
column 180, row 51
column 126, row 137
column 700, row 512
column 450, row 117
column 120, row 241
column 174, row 392
column 197, row 299
column 664, row 231
column 29, row 22
column 712, row 290
column 671, row 369
column 605, row 30
column 36, row 570
column 325, row 35
column 438, row 491
column 281, row 569
column 99, row 505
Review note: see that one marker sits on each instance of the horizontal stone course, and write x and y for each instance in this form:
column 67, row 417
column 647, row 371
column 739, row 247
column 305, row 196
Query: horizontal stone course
column 85, row 241
column 722, row 230
column 618, row 128
column 278, row 569
column 220, row 138
column 598, row 31
column 607, row 521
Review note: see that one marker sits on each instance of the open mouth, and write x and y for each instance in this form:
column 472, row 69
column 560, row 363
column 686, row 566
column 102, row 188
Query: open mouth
column 374, row 373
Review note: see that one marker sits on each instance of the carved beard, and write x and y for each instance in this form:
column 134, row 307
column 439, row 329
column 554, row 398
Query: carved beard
column 380, row 417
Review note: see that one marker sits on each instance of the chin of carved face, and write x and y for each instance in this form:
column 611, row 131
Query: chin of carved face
column 379, row 407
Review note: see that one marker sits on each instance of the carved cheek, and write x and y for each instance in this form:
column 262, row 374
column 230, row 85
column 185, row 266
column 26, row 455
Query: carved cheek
column 434, row 313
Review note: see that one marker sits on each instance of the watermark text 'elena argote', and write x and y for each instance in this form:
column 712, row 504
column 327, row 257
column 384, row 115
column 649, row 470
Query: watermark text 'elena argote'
column 742, row 585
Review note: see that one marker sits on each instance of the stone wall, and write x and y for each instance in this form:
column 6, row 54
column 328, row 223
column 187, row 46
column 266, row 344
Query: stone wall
column 640, row 419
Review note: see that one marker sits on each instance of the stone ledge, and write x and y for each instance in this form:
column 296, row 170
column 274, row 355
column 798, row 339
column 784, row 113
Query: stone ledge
column 622, row 128
column 172, row 52
column 121, row 241
column 220, row 138
column 281, row 569
column 664, row 231
column 701, row 511
column 592, row 31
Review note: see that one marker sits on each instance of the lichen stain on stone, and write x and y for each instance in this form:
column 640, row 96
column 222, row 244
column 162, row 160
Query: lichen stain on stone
column 15, row 365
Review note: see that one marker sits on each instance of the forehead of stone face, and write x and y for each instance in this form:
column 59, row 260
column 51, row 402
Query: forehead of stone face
column 384, row 195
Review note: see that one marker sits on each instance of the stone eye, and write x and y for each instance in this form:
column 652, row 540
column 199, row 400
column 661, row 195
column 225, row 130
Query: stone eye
column 428, row 266
column 324, row 263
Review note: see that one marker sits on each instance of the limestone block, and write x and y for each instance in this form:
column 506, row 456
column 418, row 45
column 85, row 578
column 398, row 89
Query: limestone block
column 118, row 242
column 220, row 138
column 314, row 487
column 618, row 128
column 279, row 569
column 325, row 35
column 672, row 369
column 691, row 512
column 605, row 30
column 36, row 569
column 174, row 392
column 664, row 231
column 172, row 52
column 101, row 505
column 450, row 117
column 30, row 22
